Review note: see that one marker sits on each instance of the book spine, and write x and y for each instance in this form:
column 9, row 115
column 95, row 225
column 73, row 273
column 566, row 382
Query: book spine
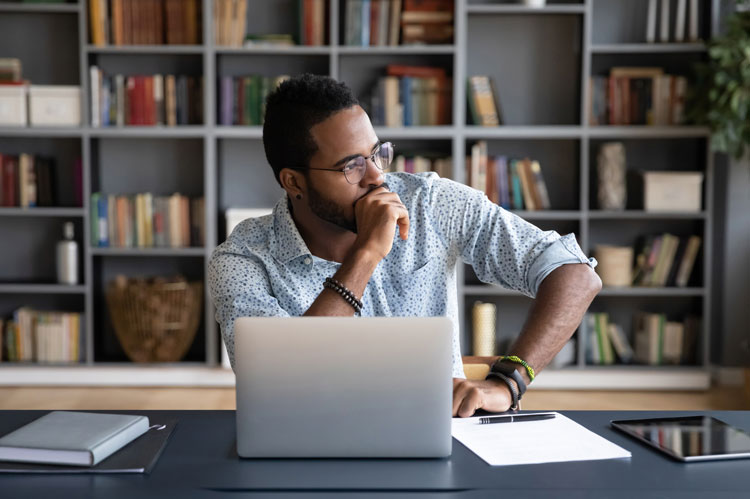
column 112, row 443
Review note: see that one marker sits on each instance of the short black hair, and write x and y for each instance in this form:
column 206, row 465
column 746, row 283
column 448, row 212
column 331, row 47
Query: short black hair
column 297, row 105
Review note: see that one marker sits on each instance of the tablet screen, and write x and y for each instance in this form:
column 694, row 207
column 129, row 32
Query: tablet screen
column 692, row 438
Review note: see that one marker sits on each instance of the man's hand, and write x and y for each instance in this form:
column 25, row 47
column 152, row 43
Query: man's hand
column 490, row 395
column 377, row 214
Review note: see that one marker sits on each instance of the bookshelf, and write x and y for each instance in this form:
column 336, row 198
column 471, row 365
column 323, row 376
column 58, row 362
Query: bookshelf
column 551, row 51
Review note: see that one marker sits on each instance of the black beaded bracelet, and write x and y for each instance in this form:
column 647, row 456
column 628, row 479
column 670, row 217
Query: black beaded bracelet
column 511, row 387
column 345, row 293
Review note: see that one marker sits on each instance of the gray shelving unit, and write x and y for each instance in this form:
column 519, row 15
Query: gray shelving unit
column 540, row 59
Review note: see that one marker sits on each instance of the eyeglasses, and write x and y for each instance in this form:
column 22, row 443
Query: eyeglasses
column 355, row 169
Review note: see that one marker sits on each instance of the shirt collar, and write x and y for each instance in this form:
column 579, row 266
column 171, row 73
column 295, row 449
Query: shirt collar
column 287, row 243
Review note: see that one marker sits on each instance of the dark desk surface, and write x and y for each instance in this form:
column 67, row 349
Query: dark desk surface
column 201, row 461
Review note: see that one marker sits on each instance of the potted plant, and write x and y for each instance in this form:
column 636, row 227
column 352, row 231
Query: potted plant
column 721, row 98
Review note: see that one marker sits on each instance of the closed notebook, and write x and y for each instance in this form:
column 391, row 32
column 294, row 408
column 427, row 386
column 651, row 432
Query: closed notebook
column 71, row 438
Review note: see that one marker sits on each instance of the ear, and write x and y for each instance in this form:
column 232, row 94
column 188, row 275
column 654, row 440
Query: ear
column 293, row 182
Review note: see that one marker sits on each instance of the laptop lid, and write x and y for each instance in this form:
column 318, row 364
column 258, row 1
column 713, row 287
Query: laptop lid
column 343, row 386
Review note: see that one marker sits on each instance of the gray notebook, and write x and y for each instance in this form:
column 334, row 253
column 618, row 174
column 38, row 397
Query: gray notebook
column 72, row 438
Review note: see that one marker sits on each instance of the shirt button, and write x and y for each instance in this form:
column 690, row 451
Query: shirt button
column 308, row 261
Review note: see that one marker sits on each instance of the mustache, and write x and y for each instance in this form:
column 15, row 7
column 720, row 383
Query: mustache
column 383, row 185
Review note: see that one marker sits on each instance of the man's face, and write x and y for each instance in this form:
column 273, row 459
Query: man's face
column 343, row 136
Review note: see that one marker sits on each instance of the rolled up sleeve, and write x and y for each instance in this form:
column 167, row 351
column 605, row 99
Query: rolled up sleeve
column 563, row 251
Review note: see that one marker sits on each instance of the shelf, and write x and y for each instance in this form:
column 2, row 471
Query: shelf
column 173, row 252
column 634, row 377
column 275, row 50
column 119, row 374
column 398, row 49
column 41, row 132
column 146, row 131
column 146, row 49
column 42, row 212
column 524, row 132
column 522, row 9
column 42, row 289
column 490, row 290
column 548, row 214
column 645, row 291
column 647, row 48
column 647, row 132
column 416, row 132
column 239, row 132
column 40, row 8
column 645, row 215
column 494, row 290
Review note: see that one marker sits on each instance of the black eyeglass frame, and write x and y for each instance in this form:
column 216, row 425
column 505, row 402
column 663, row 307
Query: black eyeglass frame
column 371, row 157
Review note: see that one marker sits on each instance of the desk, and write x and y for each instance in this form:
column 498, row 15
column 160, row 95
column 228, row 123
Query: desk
column 201, row 461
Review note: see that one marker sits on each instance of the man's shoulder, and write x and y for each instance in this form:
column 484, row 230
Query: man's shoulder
column 425, row 188
column 416, row 184
column 249, row 237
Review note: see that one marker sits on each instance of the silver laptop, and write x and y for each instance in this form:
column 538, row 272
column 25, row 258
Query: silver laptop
column 343, row 386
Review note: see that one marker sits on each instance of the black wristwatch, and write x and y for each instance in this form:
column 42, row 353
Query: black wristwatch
column 511, row 372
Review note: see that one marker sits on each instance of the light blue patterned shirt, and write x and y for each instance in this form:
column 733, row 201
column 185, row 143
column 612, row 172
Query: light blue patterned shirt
column 264, row 267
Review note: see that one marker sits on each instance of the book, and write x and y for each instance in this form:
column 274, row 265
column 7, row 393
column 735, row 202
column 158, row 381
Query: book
column 664, row 18
column 540, row 185
column 688, row 261
column 482, row 101
column 72, row 438
column 606, row 354
column 693, row 24
column 651, row 22
column 674, row 333
column 139, row 456
column 679, row 20
column 620, row 343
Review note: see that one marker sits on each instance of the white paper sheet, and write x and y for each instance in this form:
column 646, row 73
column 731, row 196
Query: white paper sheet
column 529, row 442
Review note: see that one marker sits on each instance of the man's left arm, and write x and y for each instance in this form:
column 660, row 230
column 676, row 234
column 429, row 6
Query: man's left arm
column 563, row 297
column 506, row 250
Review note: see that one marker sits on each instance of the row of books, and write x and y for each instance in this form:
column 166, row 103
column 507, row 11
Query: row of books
column 145, row 22
column 27, row 180
column 423, row 163
column 243, row 98
column 637, row 96
column 42, row 336
column 666, row 260
column 411, row 96
column 484, row 108
column 147, row 221
column 516, row 184
column 658, row 341
column 118, row 100
column 378, row 22
column 681, row 21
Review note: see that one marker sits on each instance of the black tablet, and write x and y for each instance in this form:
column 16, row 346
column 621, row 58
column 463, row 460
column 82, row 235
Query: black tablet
column 693, row 438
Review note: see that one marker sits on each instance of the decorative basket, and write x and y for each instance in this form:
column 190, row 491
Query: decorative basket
column 155, row 319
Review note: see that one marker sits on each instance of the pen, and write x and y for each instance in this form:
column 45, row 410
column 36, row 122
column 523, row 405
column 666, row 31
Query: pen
column 517, row 418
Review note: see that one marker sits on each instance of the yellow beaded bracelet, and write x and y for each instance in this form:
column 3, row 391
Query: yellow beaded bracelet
column 519, row 360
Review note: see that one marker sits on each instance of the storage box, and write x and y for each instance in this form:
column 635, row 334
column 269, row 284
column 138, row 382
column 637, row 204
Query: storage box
column 54, row 105
column 13, row 105
column 672, row 191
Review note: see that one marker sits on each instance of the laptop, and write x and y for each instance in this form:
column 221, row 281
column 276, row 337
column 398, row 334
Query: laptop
column 354, row 387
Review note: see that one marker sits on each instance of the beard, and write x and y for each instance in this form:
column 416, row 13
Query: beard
column 329, row 211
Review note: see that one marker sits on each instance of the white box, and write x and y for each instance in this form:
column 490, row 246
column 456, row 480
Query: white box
column 672, row 191
column 13, row 105
column 54, row 105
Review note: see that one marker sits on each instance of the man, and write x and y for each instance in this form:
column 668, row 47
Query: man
column 347, row 238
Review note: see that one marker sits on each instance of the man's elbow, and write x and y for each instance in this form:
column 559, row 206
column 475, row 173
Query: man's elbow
column 592, row 283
